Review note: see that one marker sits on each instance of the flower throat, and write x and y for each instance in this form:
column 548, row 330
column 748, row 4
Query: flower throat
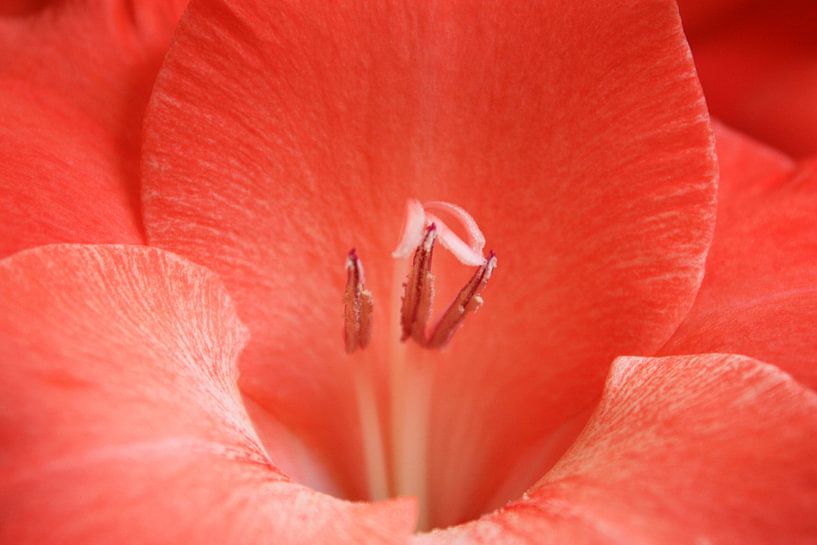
column 397, row 466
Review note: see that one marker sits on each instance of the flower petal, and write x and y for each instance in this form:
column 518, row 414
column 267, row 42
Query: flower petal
column 757, row 64
column 684, row 450
column 74, row 81
column 121, row 420
column 576, row 135
column 759, row 295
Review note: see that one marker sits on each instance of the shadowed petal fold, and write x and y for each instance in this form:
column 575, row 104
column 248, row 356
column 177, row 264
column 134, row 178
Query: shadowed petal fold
column 756, row 60
column 74, row 81
column 685, row 450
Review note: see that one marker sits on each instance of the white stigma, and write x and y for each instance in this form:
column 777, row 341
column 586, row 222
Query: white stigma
column 418, row 216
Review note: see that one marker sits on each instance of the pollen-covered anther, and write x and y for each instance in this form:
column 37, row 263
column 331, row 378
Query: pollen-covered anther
column 419, row 290
column 468, row 300
column 357, row 306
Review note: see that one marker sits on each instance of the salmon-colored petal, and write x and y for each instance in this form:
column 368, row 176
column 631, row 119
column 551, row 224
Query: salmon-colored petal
column 74, row 80
column 687, row 450
column 758, row 67
column 121, row 420
column 279, row 136
column 746, row 166
column 759, row 295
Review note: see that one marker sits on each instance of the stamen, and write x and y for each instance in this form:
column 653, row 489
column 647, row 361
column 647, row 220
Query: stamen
column 358, row 305
column 468, row 300
column 419, row 290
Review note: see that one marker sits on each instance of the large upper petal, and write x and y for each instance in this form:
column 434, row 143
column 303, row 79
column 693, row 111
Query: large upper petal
column 279, row 136
column 688, row 450
column 759, row 295
column 758, row 67
column 121, row 421
column 74, row 81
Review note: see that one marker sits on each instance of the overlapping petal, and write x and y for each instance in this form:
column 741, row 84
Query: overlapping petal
column 74, row 81
column 758, row 68
column 688, row 450
column 121, row 420
column 759, row 295
column 280, row 136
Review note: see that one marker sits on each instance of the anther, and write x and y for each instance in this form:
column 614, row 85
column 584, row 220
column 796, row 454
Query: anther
column 419, row 290
column 358, row 305
column 467, row 301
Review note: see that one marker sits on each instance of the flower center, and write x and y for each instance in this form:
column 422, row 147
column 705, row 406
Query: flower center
column 397, row 462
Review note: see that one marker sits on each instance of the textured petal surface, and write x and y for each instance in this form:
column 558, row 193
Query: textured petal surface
column 121, row 420
column 280, row 136
column 74, row 80
column 688, row 450
column 759, row 295
column 757, row 60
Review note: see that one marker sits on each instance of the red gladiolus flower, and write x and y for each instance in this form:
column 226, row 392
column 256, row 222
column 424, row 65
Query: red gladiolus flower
column 635, row 374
